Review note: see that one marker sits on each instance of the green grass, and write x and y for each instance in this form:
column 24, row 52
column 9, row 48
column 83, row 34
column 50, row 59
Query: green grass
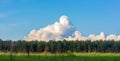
column 61, row 57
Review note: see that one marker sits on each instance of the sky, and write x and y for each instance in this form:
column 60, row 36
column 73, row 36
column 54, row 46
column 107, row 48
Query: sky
column 19, row 17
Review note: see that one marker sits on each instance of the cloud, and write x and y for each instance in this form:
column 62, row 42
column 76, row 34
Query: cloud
column 97, row 37
column 113, row 37
column 57, row 31
column 76, row 36
column 65, row 30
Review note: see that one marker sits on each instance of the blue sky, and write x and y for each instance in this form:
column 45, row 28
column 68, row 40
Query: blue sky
column 19, row 17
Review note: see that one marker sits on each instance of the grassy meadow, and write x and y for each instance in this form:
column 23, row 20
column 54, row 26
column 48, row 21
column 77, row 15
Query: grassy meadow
column 60, row 57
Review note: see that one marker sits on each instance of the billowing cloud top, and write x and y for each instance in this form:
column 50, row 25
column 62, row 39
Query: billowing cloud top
column 64, row 30
column 57, row 31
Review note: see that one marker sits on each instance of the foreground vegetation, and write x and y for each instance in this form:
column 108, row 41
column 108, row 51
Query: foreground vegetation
column 60, row 57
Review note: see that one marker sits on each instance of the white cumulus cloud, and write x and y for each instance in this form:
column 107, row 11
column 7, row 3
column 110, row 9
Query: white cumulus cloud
column 65, row 30
column 57, row 31
column 97, row 37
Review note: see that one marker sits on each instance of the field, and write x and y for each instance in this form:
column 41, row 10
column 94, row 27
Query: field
column 60, row 57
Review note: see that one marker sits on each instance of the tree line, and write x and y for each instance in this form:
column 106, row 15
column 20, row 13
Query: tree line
column 60, row 46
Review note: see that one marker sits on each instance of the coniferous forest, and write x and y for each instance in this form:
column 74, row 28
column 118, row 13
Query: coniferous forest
column 106, row 46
